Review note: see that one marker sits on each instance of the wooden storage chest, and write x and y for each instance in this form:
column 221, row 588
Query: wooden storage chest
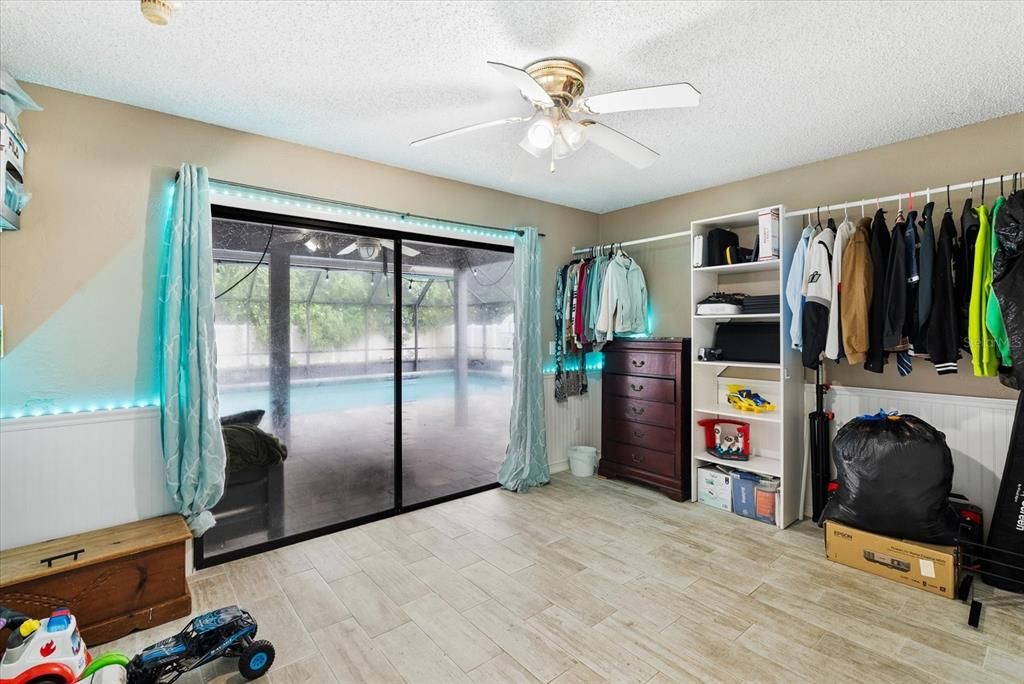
column 123, row 578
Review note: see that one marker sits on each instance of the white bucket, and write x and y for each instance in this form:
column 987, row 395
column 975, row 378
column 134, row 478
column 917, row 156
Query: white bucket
column 582, row 460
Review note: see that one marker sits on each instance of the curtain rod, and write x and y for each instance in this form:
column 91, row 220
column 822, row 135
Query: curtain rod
column 640, row 241
column 903, row 195
column 361, row 207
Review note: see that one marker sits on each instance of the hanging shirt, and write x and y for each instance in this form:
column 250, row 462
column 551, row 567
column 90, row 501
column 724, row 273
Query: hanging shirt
column 834, row 341
column 880, row 242
column 817, row 290
column 993, row 316
column 623, row 299
column 857, row 288
column 794, row 288
column 942, row 330
column 895, row 308
column 982, row 346
column 925, row 286
column 911, row 244
column 1008, row 283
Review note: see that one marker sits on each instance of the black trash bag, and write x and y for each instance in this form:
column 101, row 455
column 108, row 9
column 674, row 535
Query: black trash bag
column 895, row 474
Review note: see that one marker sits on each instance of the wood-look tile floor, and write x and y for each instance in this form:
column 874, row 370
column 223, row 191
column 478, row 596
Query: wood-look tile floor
column 591, row 580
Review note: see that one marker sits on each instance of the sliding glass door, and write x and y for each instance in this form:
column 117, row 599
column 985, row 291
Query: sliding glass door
column 314, row 323
column 456, row 368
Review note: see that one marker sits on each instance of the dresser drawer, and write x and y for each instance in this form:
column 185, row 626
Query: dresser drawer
column 652, row 412
column 642, row 459
column 660, row 364
column 648, row 436
column 639, row 387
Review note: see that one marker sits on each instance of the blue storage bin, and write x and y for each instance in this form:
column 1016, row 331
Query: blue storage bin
column 743, row 494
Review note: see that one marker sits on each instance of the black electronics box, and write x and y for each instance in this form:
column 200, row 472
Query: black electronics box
column 753, row 342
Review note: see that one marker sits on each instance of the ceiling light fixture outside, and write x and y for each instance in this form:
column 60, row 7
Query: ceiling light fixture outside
column 311, row 244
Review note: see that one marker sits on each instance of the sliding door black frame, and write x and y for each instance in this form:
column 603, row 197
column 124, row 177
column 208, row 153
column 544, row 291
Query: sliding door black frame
column 201, row 560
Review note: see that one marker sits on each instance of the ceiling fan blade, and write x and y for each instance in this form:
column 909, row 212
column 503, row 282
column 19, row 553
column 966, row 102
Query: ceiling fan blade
column 409, row 251
column 655, row 97
column 466, row 129
column 530, row 89
column 619, row 144
column 348, row 250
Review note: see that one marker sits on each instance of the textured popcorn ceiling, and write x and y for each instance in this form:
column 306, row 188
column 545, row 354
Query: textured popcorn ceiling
column 783, row 83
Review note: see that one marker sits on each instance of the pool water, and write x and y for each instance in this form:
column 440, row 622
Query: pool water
column 340, row 396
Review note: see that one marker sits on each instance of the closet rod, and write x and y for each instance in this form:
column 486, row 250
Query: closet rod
column 364, row 207
column 609, row 245
column 903, row 195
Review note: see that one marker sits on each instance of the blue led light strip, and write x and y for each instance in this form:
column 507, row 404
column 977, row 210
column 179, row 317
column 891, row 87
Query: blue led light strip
column 354, row 212
column 79, row 408
column 594, row 362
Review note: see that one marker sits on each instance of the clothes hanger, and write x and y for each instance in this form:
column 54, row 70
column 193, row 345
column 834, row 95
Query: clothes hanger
column 949, row 209
column 983, row 192
column 1001, row 194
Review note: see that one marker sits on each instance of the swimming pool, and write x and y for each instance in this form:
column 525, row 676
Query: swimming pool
column 343, row 395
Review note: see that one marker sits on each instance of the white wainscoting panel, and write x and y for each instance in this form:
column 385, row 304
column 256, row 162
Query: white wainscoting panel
column 575, row 422
column 72, row 473
column 977, row 430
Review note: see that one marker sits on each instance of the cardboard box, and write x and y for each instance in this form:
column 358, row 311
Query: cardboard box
column 925, row 566
column 714, row 487
column 768, row 235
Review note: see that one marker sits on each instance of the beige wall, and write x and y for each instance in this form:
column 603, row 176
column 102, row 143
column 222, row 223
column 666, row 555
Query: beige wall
column 77, row 282
column 982, row 150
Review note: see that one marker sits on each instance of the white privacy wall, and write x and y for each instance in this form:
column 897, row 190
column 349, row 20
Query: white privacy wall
column 574, row 422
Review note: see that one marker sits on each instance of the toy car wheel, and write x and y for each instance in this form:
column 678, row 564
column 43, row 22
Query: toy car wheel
column 256, row 659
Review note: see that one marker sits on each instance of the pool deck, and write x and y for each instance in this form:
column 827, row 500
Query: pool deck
column 341, row 464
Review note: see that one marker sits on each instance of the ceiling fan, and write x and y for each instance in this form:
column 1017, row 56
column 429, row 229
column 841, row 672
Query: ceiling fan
column 370, row 248
column 555, row 89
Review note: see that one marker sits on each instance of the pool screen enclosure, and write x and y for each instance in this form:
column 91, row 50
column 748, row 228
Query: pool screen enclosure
column 381, row 361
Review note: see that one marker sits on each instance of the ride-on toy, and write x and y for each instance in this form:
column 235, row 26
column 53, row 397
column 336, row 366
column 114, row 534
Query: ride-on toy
column 50, row 651
column 745, row 399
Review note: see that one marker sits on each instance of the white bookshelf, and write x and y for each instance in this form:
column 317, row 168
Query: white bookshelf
column 776, row 436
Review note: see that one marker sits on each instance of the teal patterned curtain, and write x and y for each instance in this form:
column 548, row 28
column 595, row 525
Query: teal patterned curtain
column 194, row 457
column 526, row 459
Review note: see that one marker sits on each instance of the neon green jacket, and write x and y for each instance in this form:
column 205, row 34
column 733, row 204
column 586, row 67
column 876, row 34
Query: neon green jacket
column 993, row 315
column 983, row 353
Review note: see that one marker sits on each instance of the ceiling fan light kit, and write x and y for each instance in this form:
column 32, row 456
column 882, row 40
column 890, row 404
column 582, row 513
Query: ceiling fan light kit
column 555, row 89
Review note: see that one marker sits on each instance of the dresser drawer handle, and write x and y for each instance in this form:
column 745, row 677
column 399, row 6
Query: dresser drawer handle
column 639, row 434
column 638, row 364
column 637, row 410
column 636, row 458
column 636, row 388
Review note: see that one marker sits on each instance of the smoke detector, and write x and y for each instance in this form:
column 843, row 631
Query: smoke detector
column 158, row 12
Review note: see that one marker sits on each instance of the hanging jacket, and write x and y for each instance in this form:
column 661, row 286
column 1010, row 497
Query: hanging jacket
column 911, row 244
column 623, row 299
column 993, row 316
column 1008, row 284
column 794, row 288
column 983, row 351
column 895, row 307
column 943, row 318
column 856, row 291
column 925, row 286
column 880, row 243
column 834, row 342
column 969, row 226
column 818, row 292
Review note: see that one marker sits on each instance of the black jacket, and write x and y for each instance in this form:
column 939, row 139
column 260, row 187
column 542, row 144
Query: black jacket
column 879, row 242
column 895, row 306
column 969, row 226
column 925, row 286
column 943, row 337
column 1008, row 283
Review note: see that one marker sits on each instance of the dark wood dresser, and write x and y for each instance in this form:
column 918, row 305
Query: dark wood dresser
column 645, row 428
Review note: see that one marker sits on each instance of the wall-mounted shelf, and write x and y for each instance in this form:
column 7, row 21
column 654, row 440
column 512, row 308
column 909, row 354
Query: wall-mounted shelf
column 730, row 412
column 748, row 267
column 761, row 465
column 725, row 317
